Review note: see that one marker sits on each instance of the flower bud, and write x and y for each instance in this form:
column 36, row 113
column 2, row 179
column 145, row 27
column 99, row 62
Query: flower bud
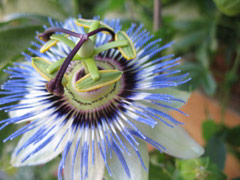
column 228, row 7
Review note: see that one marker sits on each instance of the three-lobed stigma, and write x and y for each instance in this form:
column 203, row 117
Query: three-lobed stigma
column 85, row 51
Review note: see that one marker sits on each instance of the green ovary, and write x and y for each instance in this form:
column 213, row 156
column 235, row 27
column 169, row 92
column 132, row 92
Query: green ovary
column 87, row 101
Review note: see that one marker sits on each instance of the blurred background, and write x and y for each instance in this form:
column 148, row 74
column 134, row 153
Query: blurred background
column 207, row 36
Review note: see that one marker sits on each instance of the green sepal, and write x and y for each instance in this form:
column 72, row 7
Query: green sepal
column 41, row 65
column 110, row 45
column 128, row 52
column 107, row 77
column 88, row 22
column 63, row 38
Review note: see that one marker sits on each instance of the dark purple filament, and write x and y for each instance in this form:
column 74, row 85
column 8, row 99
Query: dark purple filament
column 102, row 29
column 55, row 85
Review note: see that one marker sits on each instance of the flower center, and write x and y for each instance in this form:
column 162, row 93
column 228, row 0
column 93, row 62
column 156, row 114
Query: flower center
column 84, row 47
column 92, row 107
column 83, row 50
column 90, row 83
column 95, row 99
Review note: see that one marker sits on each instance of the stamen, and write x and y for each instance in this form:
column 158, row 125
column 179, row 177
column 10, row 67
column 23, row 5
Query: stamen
column 47, row 34
column 55, row 85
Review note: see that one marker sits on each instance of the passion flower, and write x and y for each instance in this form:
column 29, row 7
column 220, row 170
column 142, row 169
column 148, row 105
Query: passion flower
column 96, row 97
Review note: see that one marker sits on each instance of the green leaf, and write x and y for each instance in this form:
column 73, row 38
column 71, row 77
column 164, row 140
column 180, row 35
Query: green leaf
column 129, row 52
column 86, row 7
column 40, row 7
column 3, row 75
column 200, row 168
column 203, row 56
column 195, row 70
column 110, row 5
column 116, row 4
column 68, row 6
column 156, row 171
column 107, row 77
column 216, row 151
column 235, row 151
column 16, row 20
column 236, row 178
column 233, row 136
column 189, row 26
column 209, row 83
column 209, row 128
column 15, row 40
column 190, row 39
column 200, row 77
column 228, row 7
column 161, row 165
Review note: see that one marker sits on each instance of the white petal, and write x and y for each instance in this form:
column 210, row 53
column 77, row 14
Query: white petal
column 21, row 112
column 136, row 170
column 44, row 155
column 95, row 172
column 176, row 140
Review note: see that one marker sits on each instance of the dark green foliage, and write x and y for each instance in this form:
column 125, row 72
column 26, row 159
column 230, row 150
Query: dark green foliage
column 216, row 151
column 166, row 168
column 200, row 168
column 228, row 7
column 209, row 128
column 14, row 40
column 233, row 136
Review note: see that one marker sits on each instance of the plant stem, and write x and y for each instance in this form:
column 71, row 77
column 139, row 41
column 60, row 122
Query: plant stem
column 228, row 85
column 157, row 15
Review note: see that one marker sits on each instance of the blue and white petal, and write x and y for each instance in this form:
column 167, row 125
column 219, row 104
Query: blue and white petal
column 138, row 168
column 104, row 129
column 175, row 140
column 39, row 146
column 73, row 164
